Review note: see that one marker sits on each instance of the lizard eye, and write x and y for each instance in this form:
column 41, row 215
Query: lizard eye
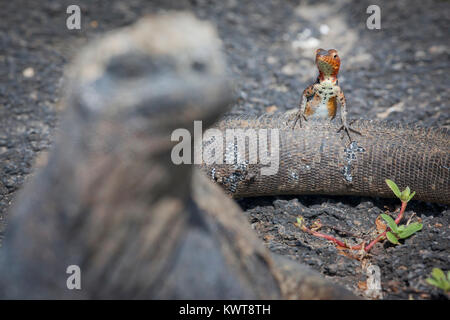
column 335, row 56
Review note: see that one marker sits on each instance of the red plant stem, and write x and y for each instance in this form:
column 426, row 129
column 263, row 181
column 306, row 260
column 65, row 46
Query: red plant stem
column 325, row 236
column 370, row 245
column 402, row 211
column 359, row 246
column 397, row 220
column 331, row 238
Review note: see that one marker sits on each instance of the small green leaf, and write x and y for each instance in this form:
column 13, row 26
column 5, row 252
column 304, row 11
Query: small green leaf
column 438, row 274
column 401, row 228
column 433, row 282
column 439, row 280
column 410, row 229
column 405, row 194
column 391, row 237
column 391, row 223
column 411, row 196
column 394, row 188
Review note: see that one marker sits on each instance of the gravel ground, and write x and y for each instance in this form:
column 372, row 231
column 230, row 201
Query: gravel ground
column 400, row 72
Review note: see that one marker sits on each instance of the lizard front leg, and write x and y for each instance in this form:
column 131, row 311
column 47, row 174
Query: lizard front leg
column 308, row 92
column 340, row 95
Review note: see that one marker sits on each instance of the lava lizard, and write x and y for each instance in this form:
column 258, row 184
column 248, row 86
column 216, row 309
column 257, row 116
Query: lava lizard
column 318, row 100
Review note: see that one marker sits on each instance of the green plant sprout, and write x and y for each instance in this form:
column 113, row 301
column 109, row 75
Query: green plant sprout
column 400, row 232
column 404, row 196
column 438, row 279
column 393, row 232
column 404, row 231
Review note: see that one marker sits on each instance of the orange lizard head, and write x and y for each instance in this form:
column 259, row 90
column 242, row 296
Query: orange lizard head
column 328, row 63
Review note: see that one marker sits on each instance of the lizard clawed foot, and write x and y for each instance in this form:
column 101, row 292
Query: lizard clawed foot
column 347, row 129
column 298, row 118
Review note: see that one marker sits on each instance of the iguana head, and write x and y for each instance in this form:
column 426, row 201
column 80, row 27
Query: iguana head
column 164, row 72
column 328, row 63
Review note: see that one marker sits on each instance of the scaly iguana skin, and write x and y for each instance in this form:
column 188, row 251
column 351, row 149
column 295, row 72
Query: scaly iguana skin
column 315, row 160
column 111, row 201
